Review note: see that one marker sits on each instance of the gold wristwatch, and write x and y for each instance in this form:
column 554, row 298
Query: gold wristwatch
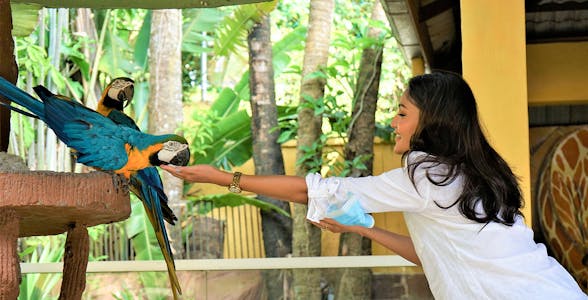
column 234, row 186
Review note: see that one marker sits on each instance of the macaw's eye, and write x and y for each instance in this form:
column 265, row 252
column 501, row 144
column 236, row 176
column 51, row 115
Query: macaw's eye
column 174, row 153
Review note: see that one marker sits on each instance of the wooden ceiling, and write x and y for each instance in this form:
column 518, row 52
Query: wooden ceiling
column 431, row 28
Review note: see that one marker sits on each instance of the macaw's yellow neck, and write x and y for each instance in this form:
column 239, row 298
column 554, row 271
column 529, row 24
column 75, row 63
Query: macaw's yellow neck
column 138, row 159
column 103, row 110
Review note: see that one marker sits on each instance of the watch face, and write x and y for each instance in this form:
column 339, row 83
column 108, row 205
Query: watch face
column 234, row 189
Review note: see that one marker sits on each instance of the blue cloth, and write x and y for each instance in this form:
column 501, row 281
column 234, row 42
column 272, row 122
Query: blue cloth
column 350, row 213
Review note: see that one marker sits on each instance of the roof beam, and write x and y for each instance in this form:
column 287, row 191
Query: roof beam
column 423, row 32
column 147, row 4
column 534, row 6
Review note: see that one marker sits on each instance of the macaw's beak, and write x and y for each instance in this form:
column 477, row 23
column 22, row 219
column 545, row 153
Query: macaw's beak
column 122, row 90
column 182, row 158
column 174, row 153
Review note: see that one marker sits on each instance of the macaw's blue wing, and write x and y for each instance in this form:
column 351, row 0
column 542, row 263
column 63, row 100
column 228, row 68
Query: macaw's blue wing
column 99, row 142
column 121, row 118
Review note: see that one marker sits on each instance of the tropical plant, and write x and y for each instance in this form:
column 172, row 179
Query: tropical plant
column 221, row 136
column 40, row 250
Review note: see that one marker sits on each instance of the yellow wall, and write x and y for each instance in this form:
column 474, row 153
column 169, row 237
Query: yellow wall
column 494, row 64
column 557, row 73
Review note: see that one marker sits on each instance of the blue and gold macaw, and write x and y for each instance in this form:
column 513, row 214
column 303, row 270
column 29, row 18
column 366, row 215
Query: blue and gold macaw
column 111, row 105
column 97, row 140
column 102, row 143
column 146, row 183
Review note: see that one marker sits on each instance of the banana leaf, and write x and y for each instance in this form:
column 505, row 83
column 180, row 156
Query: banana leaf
column 24, row 18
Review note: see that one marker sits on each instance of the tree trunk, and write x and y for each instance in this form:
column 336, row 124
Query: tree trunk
column 8, row 68
column 165, row 103
column 356, row 283
column 267, row 153
column 306, row 237
column 84, row 23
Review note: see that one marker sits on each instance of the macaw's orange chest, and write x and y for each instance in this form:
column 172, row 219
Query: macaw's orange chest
column 138, row 159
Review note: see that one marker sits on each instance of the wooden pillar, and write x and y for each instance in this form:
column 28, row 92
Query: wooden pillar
column 75, row 262
column 8, row 67
column 494, row 64
column 9, row 264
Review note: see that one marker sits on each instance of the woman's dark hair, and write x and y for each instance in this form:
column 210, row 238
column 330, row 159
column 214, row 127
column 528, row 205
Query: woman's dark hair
column 449, row 132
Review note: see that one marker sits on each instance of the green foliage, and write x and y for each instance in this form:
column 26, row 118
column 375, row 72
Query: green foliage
column 196, row 23
column 231, row 34
column 206, row 204
column 42, row 249
column 146, row 247
column 24, row 18
column 141, row 232
column 222, row 135
column 141, row 48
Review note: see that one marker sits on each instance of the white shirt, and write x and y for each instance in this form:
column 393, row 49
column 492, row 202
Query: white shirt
column 462, row 259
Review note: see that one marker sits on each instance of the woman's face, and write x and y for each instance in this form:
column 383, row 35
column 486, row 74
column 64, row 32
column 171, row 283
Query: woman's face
column 405, row 123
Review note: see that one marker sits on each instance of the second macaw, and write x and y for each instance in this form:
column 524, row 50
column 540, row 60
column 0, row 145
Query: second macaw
column 146, row 183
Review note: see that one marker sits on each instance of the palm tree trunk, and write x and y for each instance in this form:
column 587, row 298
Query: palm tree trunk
column 356, row 283
column 267, row 153
column 306, row 237
column 165, row 102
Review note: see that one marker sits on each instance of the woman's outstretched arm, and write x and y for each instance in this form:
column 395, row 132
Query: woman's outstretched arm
column 287, row 188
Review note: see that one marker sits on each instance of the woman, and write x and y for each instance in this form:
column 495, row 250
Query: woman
column 460, row 200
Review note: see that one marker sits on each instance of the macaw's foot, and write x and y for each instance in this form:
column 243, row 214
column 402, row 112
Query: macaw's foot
column 119, row 182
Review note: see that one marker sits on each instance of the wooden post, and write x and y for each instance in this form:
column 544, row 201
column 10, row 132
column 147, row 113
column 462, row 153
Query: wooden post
column 75, row 262
column 9, row 264
column 8, row 67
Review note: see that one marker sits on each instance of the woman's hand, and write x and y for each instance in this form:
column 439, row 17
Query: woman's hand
column 336, row 227
column 196, row 173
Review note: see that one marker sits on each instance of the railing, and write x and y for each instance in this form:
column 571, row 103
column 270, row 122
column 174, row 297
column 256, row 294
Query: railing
column 321, row 262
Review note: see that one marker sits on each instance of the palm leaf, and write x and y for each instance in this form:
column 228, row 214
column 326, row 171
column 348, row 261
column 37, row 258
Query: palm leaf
column 142, row 42
column 231, row 33
column 24, row 18
column 140, row 230
column 231, row 136
column 196, row 23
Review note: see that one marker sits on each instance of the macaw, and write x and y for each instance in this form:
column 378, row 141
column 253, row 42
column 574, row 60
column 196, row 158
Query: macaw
column 97, row 140
column 111, row 105
column 102, row 143
column 146, row 183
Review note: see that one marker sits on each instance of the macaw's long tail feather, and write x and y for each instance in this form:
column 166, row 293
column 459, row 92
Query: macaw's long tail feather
column 22, row 98
column 18, row 110
column 150, row 177
column 152, row 204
